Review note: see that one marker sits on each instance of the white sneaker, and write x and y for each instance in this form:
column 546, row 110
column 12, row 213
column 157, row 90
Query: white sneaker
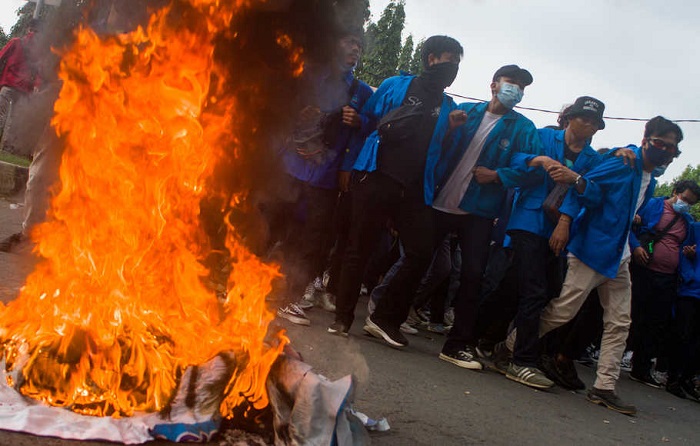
column 327, row 302
column 405, row 328
column 308, row 300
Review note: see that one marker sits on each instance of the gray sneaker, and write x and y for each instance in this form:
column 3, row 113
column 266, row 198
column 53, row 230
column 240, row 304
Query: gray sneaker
column 326, row 301
column 294, row 314
column 501, row 358
column 609, row 399
column 463, row 358
column 530, row 376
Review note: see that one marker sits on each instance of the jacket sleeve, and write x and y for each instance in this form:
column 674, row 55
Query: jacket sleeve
column 518, row 173
column 377, row 106
column 358, row 136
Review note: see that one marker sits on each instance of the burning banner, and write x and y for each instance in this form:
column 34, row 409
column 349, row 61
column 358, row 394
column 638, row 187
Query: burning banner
column 117, row 316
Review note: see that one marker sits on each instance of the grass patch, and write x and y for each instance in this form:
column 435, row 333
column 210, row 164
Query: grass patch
column 14, row 159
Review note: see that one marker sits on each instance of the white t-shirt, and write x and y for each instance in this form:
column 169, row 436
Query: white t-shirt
column 450, row 196
column 646, row 179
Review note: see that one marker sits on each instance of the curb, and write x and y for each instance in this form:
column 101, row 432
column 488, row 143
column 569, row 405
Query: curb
column 12, row 178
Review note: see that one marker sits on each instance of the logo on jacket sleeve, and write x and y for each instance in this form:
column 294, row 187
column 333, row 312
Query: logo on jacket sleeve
column 504, row 144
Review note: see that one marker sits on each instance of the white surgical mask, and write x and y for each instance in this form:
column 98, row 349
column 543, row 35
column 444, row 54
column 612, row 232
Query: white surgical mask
column 509, row 95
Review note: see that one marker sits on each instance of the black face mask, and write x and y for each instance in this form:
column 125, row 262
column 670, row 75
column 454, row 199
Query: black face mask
column 657, row 157
column 441, row 75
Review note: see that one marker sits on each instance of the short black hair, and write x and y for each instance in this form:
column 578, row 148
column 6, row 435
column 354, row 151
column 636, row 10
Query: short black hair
column 659, row 126
column 563, row 119
column 683, row 185
column 437, row 45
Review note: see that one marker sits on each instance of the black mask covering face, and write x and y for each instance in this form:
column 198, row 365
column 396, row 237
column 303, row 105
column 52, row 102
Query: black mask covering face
column 441, row 75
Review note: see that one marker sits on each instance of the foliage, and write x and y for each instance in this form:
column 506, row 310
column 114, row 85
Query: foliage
column 383, row 46
column 4, row 38
column 406, row 55
column 666, row 189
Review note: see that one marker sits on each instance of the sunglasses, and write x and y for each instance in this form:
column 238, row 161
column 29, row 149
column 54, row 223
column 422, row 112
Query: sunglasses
column 664, row 145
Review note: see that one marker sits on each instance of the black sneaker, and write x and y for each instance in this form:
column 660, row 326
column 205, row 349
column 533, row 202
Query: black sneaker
column 646, row 379
column 501, row 358
column 467, row 358
column 568, row 374
column 609, row 399
column 689, row 389
column 339, row 329
column 380, row 330
column 674, row 388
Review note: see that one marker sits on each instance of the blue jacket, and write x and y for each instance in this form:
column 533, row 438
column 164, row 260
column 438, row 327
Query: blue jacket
column 510, row 144
column 390, row 95
column 344, row 150
column 527, row 214
column 600, row 232
column 690, row 268
column 651, row 215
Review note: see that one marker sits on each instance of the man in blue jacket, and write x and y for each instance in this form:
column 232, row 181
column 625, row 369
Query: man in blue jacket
column 664, row 224
column 392, row 183
column 485, row 157
column 322, row 150
column 599, row 253
column 530, row 227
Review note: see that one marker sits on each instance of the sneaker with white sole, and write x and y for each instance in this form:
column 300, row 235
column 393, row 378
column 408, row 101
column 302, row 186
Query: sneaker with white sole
column 405, row 328
column 530, row 376
column 439, row 328
column 293, row 314
column 308, row 300
column 339, row 329
column 326, row 301
column 380, row 330
column 463, row 358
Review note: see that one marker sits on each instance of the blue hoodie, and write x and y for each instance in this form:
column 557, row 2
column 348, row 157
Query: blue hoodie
column 600, row 232
column 390, row 95
column 528, row 214
column 690, row 268
column 348, row 142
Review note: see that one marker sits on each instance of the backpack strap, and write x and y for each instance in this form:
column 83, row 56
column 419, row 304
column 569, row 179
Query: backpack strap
column 659, row 235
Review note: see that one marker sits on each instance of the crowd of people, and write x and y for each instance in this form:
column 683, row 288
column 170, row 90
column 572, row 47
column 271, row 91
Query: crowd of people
column 523, row 246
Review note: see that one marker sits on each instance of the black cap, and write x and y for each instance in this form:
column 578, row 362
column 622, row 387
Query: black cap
column 514, row 72
column 588, row 106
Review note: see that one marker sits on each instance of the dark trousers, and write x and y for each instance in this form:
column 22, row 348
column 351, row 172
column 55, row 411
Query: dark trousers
column 653, row 295
column 474, row 236
column 536, row 268
column 376, row 199
column 584, row 330
column 302, row 226
column 499, row 297
column 341, row 233
column 684, row 360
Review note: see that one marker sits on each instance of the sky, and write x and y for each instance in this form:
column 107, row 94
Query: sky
column 637, row 56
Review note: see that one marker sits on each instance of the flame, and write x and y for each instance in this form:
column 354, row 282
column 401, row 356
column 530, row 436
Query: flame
column 117, row 310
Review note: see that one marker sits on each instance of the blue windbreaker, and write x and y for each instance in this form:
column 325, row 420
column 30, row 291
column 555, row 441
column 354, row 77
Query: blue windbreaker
column 599, row 233
column 390, row 95
column 345, row 148
column 511, row 143
column 527, row 214
column 651, row 215
column 689, row 269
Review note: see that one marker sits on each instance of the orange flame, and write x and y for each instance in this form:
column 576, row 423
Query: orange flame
column 107, row 323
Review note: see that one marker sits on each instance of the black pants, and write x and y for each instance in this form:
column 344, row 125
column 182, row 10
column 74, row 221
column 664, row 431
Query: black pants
column 474, row 236
column 499, row 297
column 341, row 233
column 303, row 226
column 653, row 295
column 376, row 199
column 684, row 360
column 537, row 268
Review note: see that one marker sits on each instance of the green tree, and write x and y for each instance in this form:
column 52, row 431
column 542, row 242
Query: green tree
column 406, row 55
column 666, row 189
column 4, row 38
column 416, row 66
column 383, row 45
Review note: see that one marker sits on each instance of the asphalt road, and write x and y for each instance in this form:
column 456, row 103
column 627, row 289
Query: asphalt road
column 430, row 402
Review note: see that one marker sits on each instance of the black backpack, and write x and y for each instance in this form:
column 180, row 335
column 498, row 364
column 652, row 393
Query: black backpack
column 401, row 124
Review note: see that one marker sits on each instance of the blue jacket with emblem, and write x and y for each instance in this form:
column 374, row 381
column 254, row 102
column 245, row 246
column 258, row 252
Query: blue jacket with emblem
column 508, row 147
column 600, row 232
column 527, row 214
column 390, row 95
column 688, row 268
column 651, row 215
column 328, row 95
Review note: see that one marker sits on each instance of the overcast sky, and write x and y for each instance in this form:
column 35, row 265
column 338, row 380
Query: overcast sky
column 637, row 56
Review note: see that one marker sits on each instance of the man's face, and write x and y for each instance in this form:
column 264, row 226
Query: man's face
column 583, row 126
column 688, row 196
column 667, row 143
column 444, row 57
column 496, row 86
column 350, row 48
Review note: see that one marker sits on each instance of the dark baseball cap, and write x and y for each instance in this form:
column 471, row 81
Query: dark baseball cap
column 588, row 106
column 514, row 72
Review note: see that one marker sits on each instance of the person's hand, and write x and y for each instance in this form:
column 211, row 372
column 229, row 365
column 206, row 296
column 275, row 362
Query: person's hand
column 560, row 236
column 351, row 118
column 637, row 220
column 689, row 251
column 562, row 174
column 548, row 163
column 628, row 156
column 309, row 114
column 344, row 181
column 484, row 175
column 457, row 118
column 640, row 256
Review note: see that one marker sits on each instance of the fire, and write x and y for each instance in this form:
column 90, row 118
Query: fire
column 110, row 319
